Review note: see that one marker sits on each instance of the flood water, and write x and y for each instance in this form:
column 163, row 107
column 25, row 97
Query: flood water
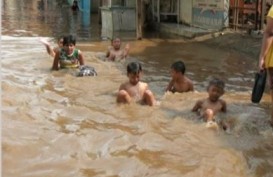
column 56, row 124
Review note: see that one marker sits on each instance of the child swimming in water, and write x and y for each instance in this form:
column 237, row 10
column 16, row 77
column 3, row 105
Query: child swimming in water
column 115, row 53
column 209, row 107
column 179, row 82
column 68, row 56
column 52, row 51
column 134, row 90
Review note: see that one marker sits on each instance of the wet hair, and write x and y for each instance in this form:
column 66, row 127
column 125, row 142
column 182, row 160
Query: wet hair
column 217, row 83
column 70, row 39
column 115, row 38
column 134, row 68
column 179, row 66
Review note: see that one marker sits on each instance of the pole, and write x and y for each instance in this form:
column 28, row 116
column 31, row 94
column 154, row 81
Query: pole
column 236, row 14
column 158, row 11
column 263, row 13
column 256, row 15
column 139, row 19
column 153, row 10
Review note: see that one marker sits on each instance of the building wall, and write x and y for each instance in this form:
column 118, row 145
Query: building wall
column 130, row 3
column 211, row 14
column 186, row 11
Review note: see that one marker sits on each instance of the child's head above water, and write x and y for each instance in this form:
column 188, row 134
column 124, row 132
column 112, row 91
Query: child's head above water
column 216, row 89
column 134, row 70
column 70, row 39
column 217, row 83
column 116, row 43
column 179, row 66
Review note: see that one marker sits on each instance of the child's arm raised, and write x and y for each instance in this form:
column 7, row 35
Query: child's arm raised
column 49, row 50
column 126, row 50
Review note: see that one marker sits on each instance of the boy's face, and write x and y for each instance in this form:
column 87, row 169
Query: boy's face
column 215, row 93
column 134, row 78
column 116, row 44
column 174, row 74
column 69, row 48
column 60, row 43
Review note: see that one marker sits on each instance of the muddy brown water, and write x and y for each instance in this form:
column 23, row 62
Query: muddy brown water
column 55, row 124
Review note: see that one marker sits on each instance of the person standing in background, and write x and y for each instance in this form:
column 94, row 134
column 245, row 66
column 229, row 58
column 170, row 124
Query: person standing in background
column 266, row 55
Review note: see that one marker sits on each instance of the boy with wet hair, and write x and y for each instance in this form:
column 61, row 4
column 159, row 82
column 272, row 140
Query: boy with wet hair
column 115, row 52
column 134, row 90
column 68, row 56
column 179, row 82
column 209, row 107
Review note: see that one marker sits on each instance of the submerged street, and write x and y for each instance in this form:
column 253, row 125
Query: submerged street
column 56, row 124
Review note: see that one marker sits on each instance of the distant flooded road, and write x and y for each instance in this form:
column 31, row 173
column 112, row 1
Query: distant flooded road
column 56, row 124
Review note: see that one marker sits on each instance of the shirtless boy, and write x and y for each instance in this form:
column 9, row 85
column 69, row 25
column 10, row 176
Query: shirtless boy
column 209, row 107
column 115, row 53
column 134, row 90
column 179, row 83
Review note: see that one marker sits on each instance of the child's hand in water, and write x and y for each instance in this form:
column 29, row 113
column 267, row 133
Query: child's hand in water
column 212, row 125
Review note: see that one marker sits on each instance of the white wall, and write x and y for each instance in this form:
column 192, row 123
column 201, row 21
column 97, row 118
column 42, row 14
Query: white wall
column 186, row 11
